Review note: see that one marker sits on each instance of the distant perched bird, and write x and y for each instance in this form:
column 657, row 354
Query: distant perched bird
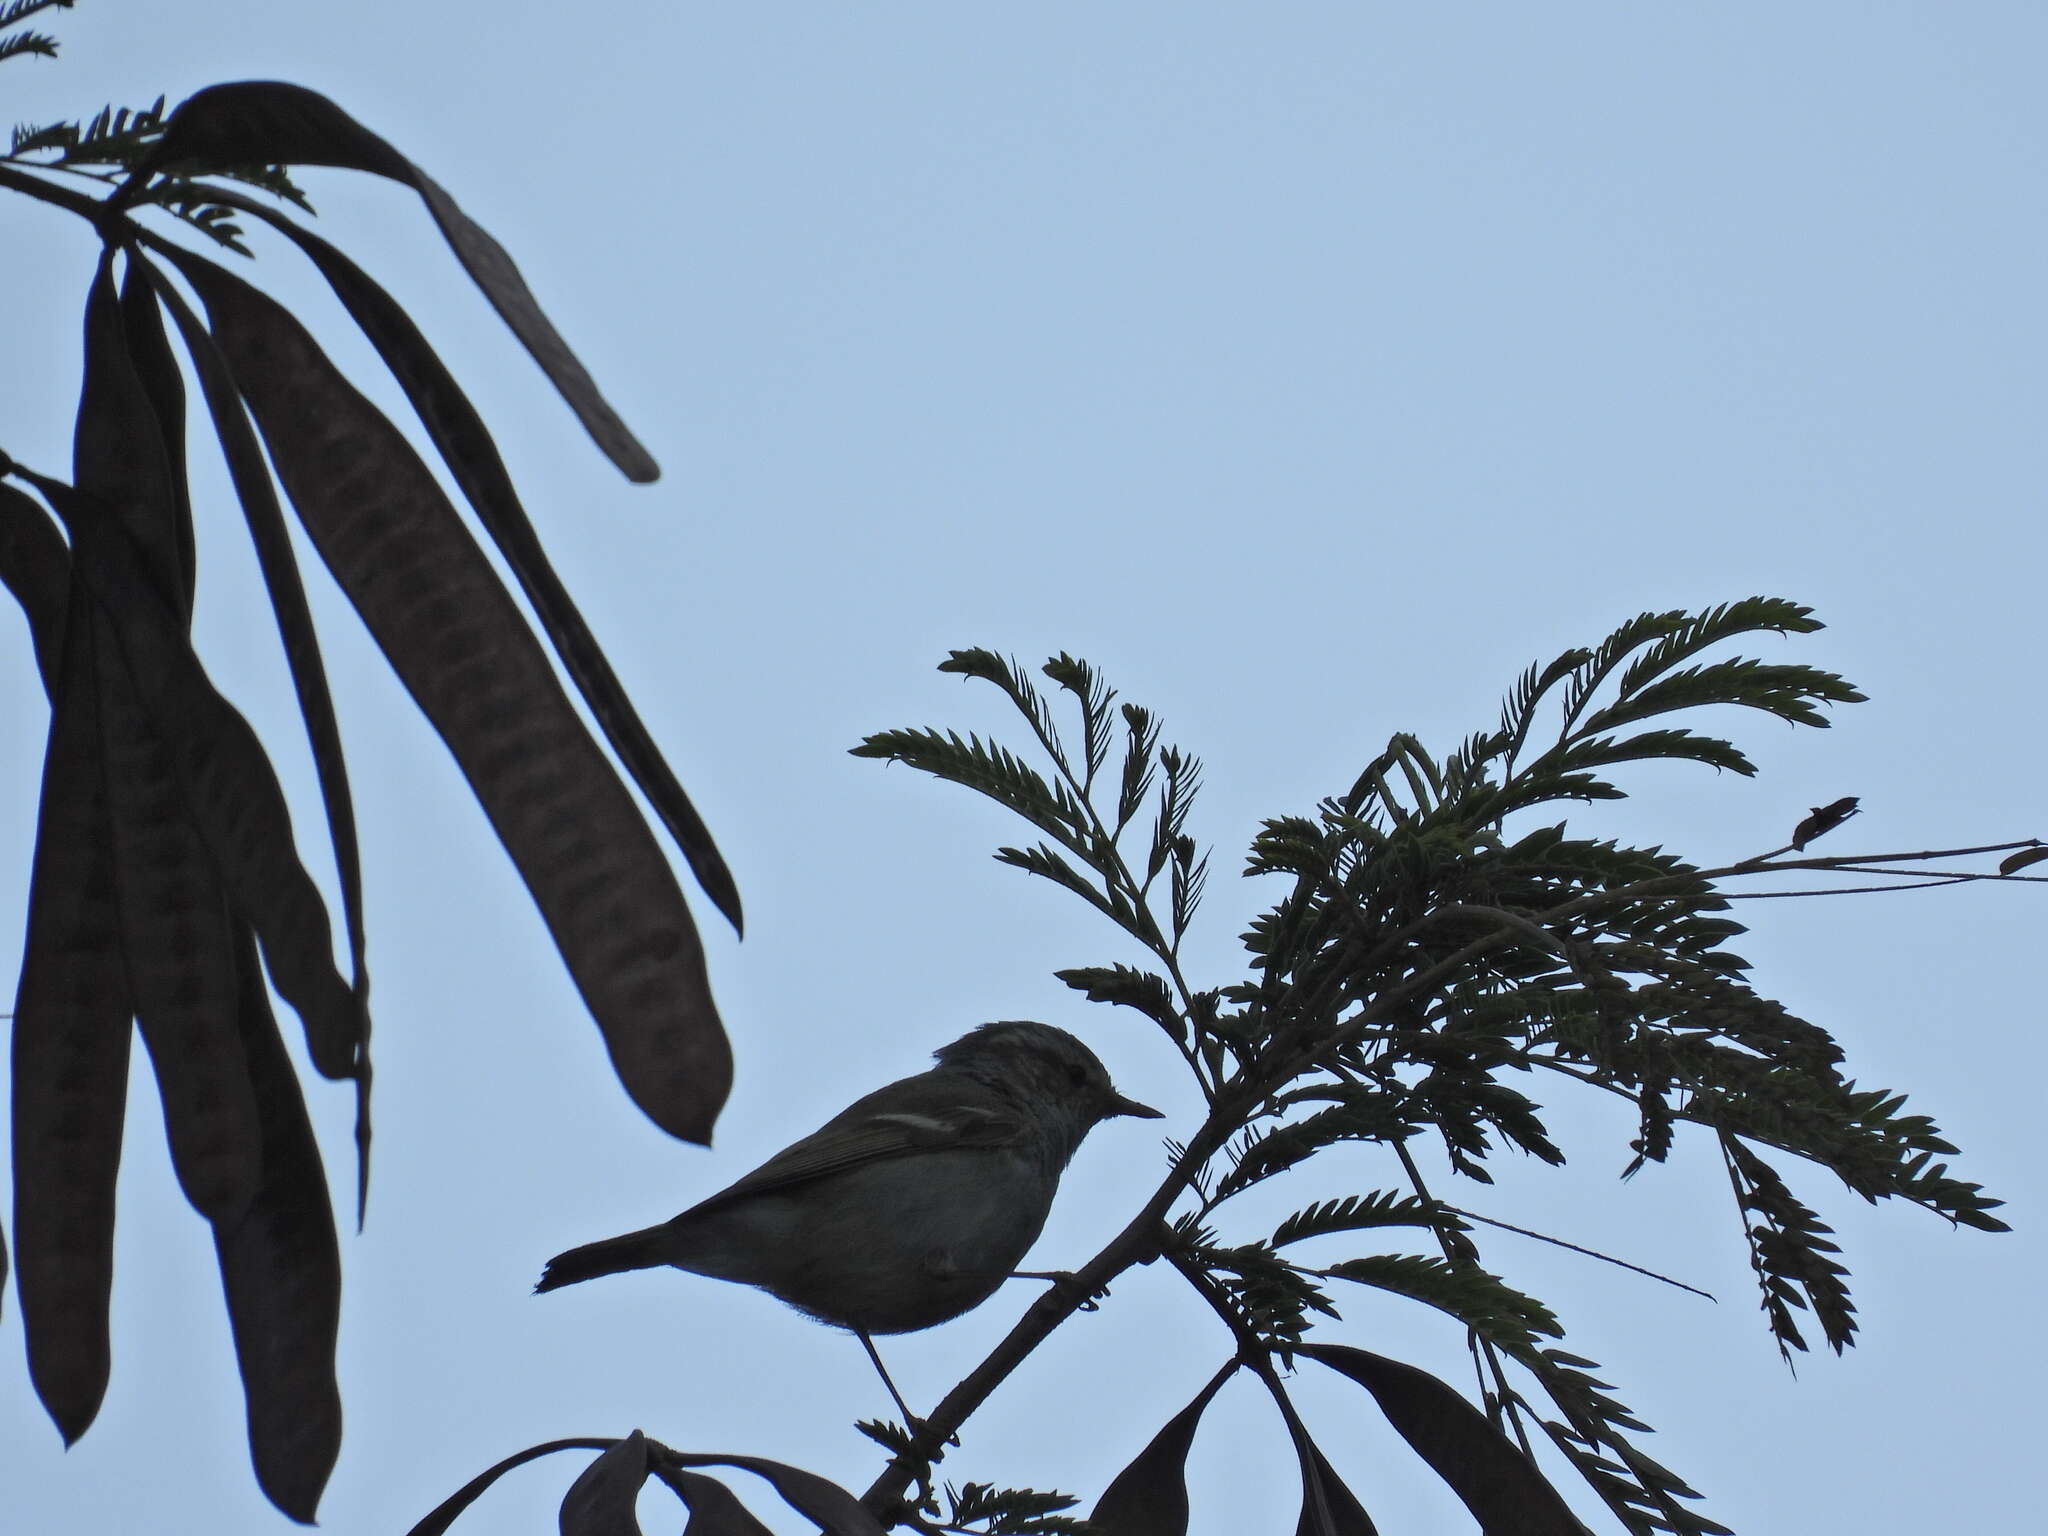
column 1825, row 819
column 910, row 1206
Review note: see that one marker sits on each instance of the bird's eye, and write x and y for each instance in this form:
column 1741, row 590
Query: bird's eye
column 1077, row 1074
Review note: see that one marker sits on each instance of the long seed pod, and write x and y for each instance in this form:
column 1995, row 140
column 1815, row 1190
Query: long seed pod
column 280, row 1269
column 70, row 1059
column 457, row 641
column 269, row 122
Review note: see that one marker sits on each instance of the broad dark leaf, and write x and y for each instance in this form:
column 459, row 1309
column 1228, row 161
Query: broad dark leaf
column 270, row 122
column 600, row 1502
column 1150, row 1496
column 70, row 1059
column 35, row 565
column 1502, row 1488
column 444, row 1514
column 462, row 439
column 280, row 1269
column 457, row 641
column 228, row 784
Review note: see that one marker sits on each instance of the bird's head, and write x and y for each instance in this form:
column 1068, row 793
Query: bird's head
column 1036, row 1062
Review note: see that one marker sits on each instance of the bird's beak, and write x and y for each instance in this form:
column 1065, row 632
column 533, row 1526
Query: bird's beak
column 1119, row 1105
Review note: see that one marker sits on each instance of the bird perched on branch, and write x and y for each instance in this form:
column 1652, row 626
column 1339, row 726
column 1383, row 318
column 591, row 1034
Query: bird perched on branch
column 906, row 1209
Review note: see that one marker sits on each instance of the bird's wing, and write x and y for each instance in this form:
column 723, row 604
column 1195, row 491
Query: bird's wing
column 890, row 1122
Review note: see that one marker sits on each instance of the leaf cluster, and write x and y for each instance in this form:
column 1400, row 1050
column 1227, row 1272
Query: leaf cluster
column 1443, row 942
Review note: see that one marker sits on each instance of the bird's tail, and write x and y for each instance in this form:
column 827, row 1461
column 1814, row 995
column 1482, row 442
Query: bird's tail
column 636, row 1250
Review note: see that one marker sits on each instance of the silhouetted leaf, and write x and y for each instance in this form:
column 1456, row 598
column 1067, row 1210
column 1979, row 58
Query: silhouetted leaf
column 600, row 1502
column 271, row 122
column 457, row 641
column 280, row 1269
column 1150, row 1496
column 2012, row 864
column 70, row 1059
column 1500, row 1485
column 462, row 439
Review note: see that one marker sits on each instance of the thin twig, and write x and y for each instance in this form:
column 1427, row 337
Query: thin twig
column 1591, row 1253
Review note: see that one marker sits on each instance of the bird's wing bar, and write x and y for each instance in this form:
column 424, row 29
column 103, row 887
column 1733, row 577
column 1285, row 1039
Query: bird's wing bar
column 867, row 1133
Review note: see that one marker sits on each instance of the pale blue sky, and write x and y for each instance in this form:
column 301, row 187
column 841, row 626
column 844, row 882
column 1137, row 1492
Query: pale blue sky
column 1309, row 367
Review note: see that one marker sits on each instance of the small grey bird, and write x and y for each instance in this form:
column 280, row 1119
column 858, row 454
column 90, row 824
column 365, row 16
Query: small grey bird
column 908, row 1208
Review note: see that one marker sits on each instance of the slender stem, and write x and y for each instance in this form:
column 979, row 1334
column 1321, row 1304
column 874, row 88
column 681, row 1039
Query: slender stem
column 1137, row 1243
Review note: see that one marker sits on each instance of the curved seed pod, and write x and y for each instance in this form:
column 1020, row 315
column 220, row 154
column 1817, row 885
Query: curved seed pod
column 156, row 370
column 175, row 928
column 35, row 565
column 600, row 1501
column 229, row 788
column 1500, row 1485
column 444, row 1514
column 179, row 943
column 280, row 567
column 70, row 1060
column 118, row 451
column 837, row 1512
column 464, row 442
column 715, row 1510
column 1328, row 1508
column 280, row 1269
column 269, row 122
column 1150, row 1496
column 457, row 641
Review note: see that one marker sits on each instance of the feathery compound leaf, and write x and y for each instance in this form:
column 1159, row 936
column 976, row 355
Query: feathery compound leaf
column 1094, row 696
column 1011, row 1511
column 268, row 122
column 1791, row 1251
column 456, row 639
column 988, row 769
column 1150, row 1496
column 1789, row 692
column 1695, row 632
column 1481, row 1301
column 1507, row 1495
column 1355, row 1213
column 1133, row 988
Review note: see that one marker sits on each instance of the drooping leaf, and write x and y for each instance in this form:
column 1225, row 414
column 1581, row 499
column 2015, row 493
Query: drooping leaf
column 1498, row 1483
column 1377, row 1208
column 1328, row 1506
column 280, row 1270
column 269, row 122
column 601, row 1500
column 457, row 641
column 71, row 1029
column 2026, row 858
column 1150, row 1496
